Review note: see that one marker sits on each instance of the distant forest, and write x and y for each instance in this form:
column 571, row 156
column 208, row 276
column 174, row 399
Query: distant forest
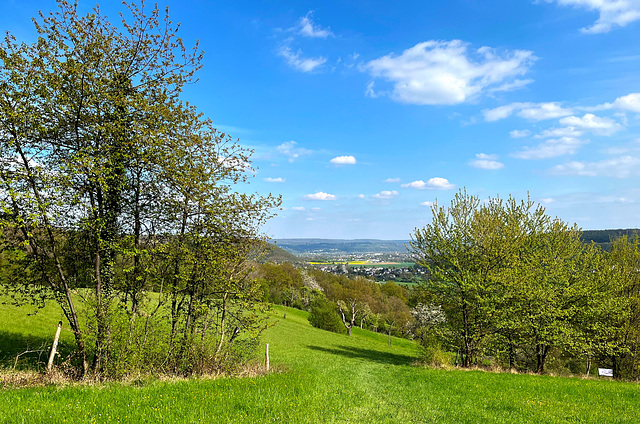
column 603, row 237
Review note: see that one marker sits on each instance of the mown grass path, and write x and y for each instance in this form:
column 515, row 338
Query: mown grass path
column 329, row 378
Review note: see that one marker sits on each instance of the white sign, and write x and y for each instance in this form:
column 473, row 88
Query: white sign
column 605, row 372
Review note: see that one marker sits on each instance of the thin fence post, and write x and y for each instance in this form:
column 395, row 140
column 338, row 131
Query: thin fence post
column 54, row 347
column 266, row 354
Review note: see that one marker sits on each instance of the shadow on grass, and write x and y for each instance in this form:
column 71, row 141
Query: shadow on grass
column 27, row 352
column 367, row 354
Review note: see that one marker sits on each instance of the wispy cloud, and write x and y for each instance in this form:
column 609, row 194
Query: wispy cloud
column 392, row 180
column 297, row 61
column 308, row 28
column 620, row 167
column 560, row 132
column 291, row 150
column 319, row 196
column 519, row 133
column 386, row 194
column 446, row 72
column 551, row 148
column 530, row 111
column 435, row 183
column 613, row 13
column 484, row 161
column 274, row 180
column 343, row 160
column 593, row 123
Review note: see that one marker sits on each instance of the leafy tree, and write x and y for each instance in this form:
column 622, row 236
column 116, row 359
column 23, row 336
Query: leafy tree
column 99, row 149
column 508, row 277
column 464, row 248
column 285, row 280
column 352, row 300
column 620, row 338
column 396, row 316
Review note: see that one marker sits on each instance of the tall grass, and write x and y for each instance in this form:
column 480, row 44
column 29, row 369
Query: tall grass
column 326, row 377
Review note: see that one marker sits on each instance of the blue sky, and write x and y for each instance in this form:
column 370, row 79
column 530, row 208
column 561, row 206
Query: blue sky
column 362, row 114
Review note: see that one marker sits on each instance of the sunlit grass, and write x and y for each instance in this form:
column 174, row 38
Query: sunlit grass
column 325, row 377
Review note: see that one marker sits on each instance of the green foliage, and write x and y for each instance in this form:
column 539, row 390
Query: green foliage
column 324, row 315
column 519, row 286
column 112, row 183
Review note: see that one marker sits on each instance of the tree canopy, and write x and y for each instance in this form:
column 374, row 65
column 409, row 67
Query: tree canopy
column 111, row 182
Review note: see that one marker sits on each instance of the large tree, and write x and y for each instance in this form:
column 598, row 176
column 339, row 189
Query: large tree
column 508, row 277
column 102, row 156
column 464, row 248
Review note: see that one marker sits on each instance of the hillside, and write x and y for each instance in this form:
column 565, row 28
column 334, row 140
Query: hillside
column 276, row 254
column 322, row 377
column 313, row 247
column 334, row 247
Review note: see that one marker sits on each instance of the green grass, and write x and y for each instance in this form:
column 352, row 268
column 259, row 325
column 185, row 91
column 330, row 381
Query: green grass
column 329, row 378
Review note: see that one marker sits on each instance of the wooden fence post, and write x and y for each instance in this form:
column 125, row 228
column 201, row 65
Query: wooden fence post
column 54, row 347
column 266, row 354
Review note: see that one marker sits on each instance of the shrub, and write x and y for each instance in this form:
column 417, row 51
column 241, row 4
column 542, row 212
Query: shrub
column 324, row 315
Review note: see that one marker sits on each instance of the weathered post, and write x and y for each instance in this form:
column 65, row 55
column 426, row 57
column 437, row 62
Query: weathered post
column 54, row 347
column 266, row 354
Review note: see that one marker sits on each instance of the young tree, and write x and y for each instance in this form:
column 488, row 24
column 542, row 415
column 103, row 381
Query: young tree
column 352, row 300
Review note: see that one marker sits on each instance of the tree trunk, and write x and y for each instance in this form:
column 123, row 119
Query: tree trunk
column 541, row 356
column 222, row 322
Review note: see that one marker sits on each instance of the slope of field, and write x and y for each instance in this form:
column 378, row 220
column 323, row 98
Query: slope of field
column 329, row 378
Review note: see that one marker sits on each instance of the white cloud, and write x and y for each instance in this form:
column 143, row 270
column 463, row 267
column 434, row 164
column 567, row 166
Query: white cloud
column 501, row 112
column 298, row 61
column 319, row 196
column 484, row 161
column 435, row 183
column 427, row 204
column 560, row 132
column 386, row 194
column 519, row 133
column 547, row 200
column 530, row 111
column 392, row 180
column 551, row 148
column 445, row 72
column 361, row 196
column 542, row 111
column 275, row 180
column 612, row 12
column 591, row 122
column 343, row 160
column 298, row 208
column 291, row 150
column 620, row 167
column 308, row 28
column 629, row 102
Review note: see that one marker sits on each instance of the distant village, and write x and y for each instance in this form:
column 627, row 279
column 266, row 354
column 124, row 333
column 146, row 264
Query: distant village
column 379, row 267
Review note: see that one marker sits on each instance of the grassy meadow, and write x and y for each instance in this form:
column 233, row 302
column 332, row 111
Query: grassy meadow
column 319, row 377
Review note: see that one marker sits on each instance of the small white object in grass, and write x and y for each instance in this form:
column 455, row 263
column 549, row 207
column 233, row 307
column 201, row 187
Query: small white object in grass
column 605, row 372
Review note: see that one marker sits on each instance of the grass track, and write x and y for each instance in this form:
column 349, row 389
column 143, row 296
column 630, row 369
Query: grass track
column 332, row 378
